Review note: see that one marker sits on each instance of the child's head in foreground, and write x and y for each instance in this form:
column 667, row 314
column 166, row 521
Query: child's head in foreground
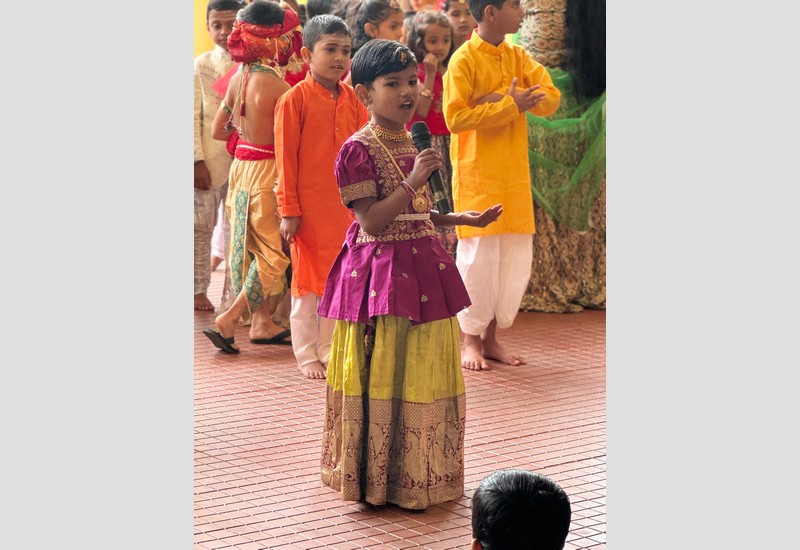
column 516, row 509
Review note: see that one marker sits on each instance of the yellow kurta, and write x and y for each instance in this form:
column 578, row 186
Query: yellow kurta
column 489, row 142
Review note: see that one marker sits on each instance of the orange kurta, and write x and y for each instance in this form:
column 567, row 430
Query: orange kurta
column 310, row 127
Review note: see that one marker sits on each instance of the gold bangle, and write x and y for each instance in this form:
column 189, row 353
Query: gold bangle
column 425, row 92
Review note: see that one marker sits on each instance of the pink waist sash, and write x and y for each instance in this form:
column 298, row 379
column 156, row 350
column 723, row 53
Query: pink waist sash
column 248, row 151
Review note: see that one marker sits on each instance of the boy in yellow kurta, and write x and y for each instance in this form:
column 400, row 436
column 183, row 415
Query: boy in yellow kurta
column 488, row 87
column 312, row 120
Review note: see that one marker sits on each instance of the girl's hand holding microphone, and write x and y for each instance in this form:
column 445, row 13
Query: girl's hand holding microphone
column 426, row 162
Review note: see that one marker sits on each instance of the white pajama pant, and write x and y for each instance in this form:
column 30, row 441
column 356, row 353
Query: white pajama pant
column 220, row 238
column 496, row 270
column 311, row 334
column 206, row 213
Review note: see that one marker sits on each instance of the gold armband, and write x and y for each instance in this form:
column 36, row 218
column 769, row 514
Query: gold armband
column 426, row 92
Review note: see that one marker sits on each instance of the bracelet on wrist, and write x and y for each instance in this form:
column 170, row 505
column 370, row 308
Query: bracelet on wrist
column 425, row 92
column 409, row 190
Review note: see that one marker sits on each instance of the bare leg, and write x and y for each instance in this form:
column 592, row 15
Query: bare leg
column 202, row 303
column 262, row 326
column 471, row 356
column 314, row 369
column 494, row 351
column 226, row 321
column 215, row 261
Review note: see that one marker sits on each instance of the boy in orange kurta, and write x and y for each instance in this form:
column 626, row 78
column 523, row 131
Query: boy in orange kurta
column 312, row 120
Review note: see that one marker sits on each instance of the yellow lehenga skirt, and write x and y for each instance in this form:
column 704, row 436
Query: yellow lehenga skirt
column 395, row 412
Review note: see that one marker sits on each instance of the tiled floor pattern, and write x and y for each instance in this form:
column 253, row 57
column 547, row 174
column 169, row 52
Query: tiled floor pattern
column 257, row 442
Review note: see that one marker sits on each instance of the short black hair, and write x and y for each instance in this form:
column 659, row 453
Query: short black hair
column 318, row 7
column 515, row 509
column 379, row 57
column 223, row 5
column 476, row 7
column 262, row 12
column 320, row 25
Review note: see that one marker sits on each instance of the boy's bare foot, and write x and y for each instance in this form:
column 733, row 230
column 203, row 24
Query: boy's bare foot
column 215, row 261
column 496, row 352
column 202, row 303
column 315, row 369
column 471, row 356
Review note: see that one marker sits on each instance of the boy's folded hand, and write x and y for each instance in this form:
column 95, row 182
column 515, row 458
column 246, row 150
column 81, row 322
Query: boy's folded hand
column 527, row 98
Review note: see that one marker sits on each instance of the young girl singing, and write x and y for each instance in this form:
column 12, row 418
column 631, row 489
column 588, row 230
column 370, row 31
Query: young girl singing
column 430, row 37
column 395, row 403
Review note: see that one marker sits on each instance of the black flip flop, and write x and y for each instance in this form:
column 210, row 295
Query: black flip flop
column 224, row 344
column 277, row 340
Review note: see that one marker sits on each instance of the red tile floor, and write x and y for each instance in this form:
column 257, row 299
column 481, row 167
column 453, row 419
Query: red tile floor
column 258, row 423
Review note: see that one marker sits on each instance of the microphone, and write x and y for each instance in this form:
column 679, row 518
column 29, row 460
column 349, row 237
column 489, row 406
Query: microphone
column 421, row 137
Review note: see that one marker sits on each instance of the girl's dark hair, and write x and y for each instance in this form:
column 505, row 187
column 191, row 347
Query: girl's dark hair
column 446, row 5
column 379, row 57
column 361, row 12
column 417, row 26
column 585, row 45
column 339, row 8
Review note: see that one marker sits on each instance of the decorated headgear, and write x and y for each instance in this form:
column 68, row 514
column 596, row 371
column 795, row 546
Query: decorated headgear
column 275, row 45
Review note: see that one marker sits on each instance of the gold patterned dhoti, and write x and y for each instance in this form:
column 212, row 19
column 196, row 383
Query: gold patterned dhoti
column 257, row 260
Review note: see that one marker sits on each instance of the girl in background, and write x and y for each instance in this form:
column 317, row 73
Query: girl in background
column 430, row 37
column 461, row 19
column 370, row 19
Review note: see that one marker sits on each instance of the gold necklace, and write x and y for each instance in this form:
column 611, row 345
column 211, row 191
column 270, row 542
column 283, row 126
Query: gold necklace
column 420, row 202
column 390, row 135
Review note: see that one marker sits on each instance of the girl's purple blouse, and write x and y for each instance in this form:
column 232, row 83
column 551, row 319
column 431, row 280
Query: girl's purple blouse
column 403, row 271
